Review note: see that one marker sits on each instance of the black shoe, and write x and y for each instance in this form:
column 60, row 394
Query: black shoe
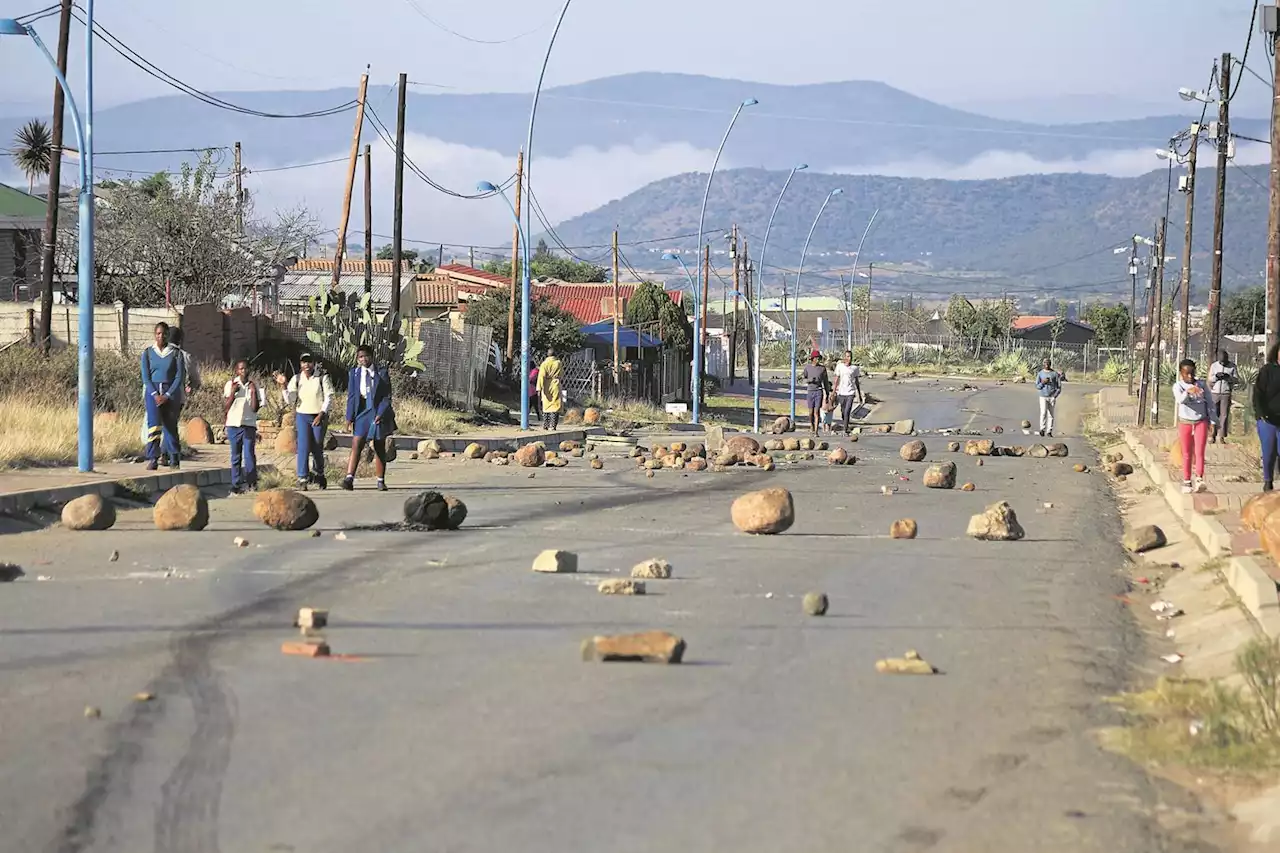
column 1266, row 486
column 176, row 464
column 1050, row 433
column 153, row 464
column 348, row 484
column 382, row 485
column 321, row 482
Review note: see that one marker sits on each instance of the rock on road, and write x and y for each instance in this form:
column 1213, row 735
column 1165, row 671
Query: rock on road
column 468, row 722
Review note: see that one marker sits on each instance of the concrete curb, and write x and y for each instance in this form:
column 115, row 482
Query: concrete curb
column 1254, row 587
column 19, row 503
column 458, row 443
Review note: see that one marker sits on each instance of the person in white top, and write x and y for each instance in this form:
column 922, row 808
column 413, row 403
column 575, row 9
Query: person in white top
column 847, row 385
column 1222, row 381
column 1195, row 413
column 310, row 392
column 240, row 401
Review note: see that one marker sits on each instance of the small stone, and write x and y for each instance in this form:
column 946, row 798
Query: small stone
column 697, row 463
column 591, row 416
column 91, row 712
column 1079, row 468
column 315, row 534
column 904, row 666
column 114, row 558
column 552, row 561
column 979, row 447
column 808, row 444
column 766, row 511
column 781, row 425
column 457, row 512
column 997, row 429
column 913, row 451
column 240, row 542
column 839, row 456
column 1016, row 450
column 10, row 572
column 430, row 445
column 822, row 445
column 1026, row 424
column 774, row 444
column 181, row 508
column 620, row 586
column 1058, row 449
column 568, row 446
column 941, row 476
column 635, row 452
column 815, row 604
column 285, row 509
column 558, row 462
column 679, row 447
column 652, row 464
column 1038, row 451
column 903, row 528
column 311, row 617
column 967, row 487
column 340, row 536
column 143, row 697
column 648, row 474
column 597, row 464
column 791, row 444
column 89, row 512
column 648, row 647
column 997, row 523
column 653, row 569
column 980, row 463
column 953, row 447
column 904, row 427
column 1145, row 538
column 1119, row 469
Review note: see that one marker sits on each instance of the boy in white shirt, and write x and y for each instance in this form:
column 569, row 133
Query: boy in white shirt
column 847, row 384
column 241, row 400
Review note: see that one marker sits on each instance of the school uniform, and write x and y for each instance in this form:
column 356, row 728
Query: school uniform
column 369, row 400
column 310, row 396
column 242, row 434
column 163, row 373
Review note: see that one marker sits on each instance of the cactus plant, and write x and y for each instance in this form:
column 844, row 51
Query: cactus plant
column 339, row 323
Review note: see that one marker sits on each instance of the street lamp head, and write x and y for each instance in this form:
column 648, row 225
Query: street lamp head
column 670, row 256
column 1166, row 154
column 837, row 191
column 750, row 102
column 11, row 27
column 801, row 167
column 1193, row 95
column 486, row 187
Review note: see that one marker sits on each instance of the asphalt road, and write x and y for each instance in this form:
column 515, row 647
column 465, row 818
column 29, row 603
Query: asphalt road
column 467, row 721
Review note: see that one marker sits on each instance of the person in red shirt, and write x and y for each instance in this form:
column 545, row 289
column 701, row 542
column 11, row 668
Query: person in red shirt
column 535, row 400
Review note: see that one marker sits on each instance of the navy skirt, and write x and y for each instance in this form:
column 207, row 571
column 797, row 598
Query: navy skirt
column 364, row 427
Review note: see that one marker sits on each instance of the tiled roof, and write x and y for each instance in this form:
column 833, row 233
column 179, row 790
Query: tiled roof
column 455, row 270
column 435, row 292
column 350, row 266
column 1030, row 321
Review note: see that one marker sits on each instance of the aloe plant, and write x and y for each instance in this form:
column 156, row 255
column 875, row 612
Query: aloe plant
column 340, row 323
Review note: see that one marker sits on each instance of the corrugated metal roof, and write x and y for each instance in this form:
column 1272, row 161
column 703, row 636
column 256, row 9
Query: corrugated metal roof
column 299, row 287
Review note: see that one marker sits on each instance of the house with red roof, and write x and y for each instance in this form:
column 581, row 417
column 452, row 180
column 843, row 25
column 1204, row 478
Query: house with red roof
column 1039, row 328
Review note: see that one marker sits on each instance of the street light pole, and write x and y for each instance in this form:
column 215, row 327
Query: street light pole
column 84, row 262
column 525, row 295
column 702, row 217
column 795, row 311
column 853, row 275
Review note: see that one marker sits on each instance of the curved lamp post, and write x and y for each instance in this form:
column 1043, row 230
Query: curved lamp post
column 487, row 187
column 764, row 248
column 84, row 262
column 702, row 217
column 795, row 315
column 853, row 280
column 525, row 296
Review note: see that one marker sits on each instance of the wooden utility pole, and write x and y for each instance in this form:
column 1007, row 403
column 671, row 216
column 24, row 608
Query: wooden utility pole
column 1219, row 207
column 617, row 309
column 440, row 260
column 1271, row 26
column 368, row 221
column 1160, row 253
column 49, row 253
column 397, row 216
column 239, row 193
column 1184, row 324
column 733, row 334
column 515, row 264
column 351, row 181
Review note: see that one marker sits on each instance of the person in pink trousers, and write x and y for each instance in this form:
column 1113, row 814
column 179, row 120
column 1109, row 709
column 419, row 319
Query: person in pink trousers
column 1195, row 414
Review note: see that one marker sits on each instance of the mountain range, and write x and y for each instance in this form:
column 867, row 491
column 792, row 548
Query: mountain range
column 828, row 125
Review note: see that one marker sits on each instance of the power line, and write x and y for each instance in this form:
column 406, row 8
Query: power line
column 386, row 136
column 443, row 28
column 1253, row 16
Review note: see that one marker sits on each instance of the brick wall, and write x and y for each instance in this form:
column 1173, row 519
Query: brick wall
column 211, row 334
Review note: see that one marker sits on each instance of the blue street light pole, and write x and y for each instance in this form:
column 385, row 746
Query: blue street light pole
column 84, row 263
column 525, row 295
column 764, row 248
column 853, row 280
column 702, row 218
column 795, row 311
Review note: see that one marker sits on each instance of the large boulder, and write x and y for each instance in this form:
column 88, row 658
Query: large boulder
column 429, row 509
column 715, row 439
column 781, row 425
column 1016, row 450
column 457, row 512
column 1058, row 449
column 913, row 451
column 473, row 451
column 89, row 512
column 979, row 447
column 531, row 456
column 287, row 438
column 839, row 456
column 697, row 463
column 941, row 476
column 1144, row 538
column 591, row 416
column 285, row 509
column 181, row 508
column 1269, row 532
column 904, row 427
column 649, row 647
column 430, row 445
column 1119, row 469
column 791, row 444
column 904, row 528
column 1038, row 451
column 742, row 445
column 1255, row 510
column 573, row 416
column 774, row 444
column 998, row 523
column 765, row 511
column 198, row 431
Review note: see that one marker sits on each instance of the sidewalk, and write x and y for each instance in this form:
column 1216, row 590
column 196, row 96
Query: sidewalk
column 1232, row 476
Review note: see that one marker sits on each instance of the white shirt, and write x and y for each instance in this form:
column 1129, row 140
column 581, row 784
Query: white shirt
column 846, row 374
column 241, row 414
column 311, row 396
column 1223, row 386
column 366, row 382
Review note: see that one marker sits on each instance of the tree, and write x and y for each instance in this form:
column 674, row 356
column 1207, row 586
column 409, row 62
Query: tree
column 175, row 237
column 1110, row 323
column 1244, row 312
column 553, row 330
column 33, row 151
column 550, row 266
column 652, row 310
column 387, row 253
column 961, row 316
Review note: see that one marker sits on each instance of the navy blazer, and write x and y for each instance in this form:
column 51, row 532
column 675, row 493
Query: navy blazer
column 381, row 395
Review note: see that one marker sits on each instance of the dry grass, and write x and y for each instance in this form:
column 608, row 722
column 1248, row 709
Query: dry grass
column 416, row 417
column 34, row 432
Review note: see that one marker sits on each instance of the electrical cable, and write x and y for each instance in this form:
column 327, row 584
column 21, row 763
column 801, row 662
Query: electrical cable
column 443, row 28
column 1247, row 43
column 385, row 134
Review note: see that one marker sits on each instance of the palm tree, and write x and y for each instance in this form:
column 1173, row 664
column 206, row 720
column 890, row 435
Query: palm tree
column 33, row 151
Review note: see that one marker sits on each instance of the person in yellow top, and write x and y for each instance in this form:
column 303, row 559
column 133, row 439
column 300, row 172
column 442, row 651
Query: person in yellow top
column 549, row 373
column 310, row 392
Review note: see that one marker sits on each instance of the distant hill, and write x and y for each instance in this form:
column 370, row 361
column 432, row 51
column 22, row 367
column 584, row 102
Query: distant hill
column 828, row 125
column 1039, row 231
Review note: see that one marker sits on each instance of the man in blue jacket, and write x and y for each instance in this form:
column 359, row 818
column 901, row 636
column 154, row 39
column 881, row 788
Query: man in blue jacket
column 369, row 415
column 163, row 378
